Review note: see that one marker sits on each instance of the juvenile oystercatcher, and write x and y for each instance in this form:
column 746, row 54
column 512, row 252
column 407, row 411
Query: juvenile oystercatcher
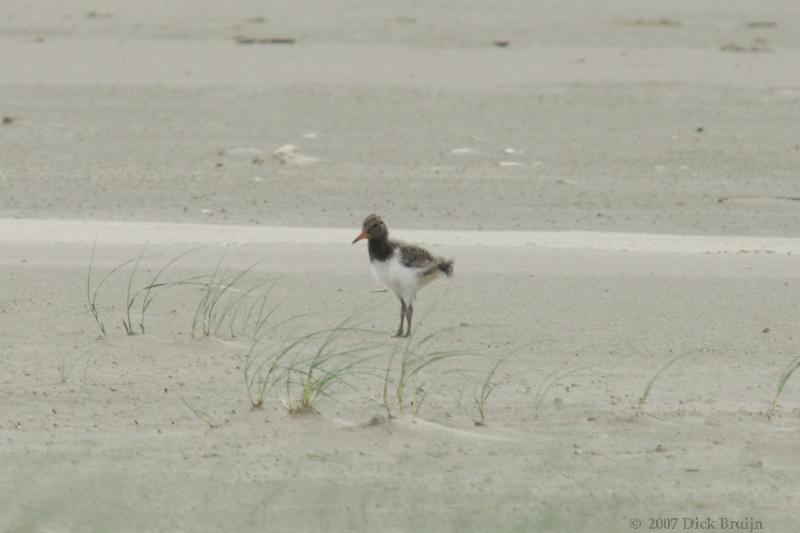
column 403, row 268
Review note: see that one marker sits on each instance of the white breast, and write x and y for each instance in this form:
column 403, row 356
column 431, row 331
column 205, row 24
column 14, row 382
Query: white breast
column 399, row 279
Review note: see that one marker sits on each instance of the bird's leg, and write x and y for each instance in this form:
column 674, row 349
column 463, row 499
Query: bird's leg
column 402, row 318
column 409, row 314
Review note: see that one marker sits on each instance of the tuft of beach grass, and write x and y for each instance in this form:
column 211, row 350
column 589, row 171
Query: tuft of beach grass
column 307, row 366
column 129, row 300
column 649, row 386
column 93, row 292
column 202, row 415
column 549, row 381
column 487, row 386
column 790, row 368
column 148, row 294
column 415, row 356
column 228, row 295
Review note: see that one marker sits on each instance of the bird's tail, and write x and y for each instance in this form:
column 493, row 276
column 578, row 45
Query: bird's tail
column 446, row 266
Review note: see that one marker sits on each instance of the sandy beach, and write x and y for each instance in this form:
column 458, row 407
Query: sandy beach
column 616, row 182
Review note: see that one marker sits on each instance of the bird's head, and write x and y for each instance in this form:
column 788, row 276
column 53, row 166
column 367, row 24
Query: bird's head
column 373, row 228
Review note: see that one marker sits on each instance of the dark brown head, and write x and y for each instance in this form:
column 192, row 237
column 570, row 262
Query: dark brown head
column 373, row 228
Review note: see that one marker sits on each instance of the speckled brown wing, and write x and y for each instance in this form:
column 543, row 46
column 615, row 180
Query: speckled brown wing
column 415, row 257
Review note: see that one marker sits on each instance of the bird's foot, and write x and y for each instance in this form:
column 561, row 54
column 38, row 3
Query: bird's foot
column 398, row 335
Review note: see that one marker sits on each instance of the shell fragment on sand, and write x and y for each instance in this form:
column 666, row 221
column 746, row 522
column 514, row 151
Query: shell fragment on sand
column 463, row 151
column 288, row 154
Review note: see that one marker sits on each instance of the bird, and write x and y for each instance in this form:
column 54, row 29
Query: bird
column 403, row 268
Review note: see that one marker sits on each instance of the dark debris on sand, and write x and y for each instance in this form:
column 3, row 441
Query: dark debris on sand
column 263, row 40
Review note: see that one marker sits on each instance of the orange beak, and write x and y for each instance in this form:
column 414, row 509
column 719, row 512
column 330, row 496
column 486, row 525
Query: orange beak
column 362, row 235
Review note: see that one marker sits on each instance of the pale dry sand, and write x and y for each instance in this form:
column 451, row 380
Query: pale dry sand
column 96, row 435
column 631, row 167
column 153, row 112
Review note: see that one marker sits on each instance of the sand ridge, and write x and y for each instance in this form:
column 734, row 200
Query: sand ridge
column 42, row 231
